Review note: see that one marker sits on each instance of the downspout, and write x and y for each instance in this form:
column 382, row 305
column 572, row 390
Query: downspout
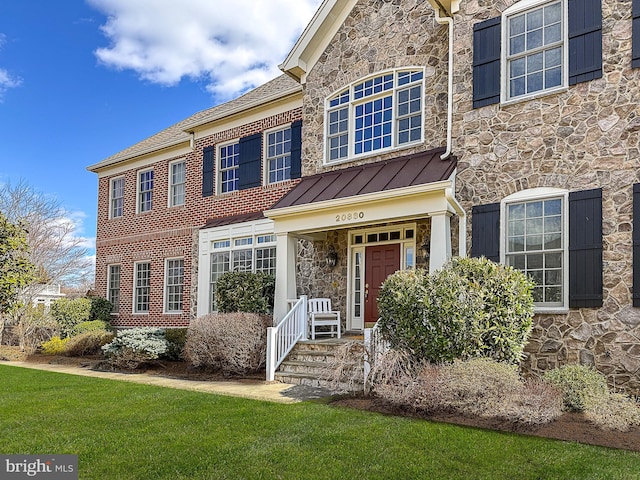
column 448, row 21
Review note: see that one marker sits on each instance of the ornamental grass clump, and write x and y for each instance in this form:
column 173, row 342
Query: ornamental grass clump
column 136, row 346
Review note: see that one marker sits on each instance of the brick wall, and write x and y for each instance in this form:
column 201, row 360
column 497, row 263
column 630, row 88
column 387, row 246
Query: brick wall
column 169, row 232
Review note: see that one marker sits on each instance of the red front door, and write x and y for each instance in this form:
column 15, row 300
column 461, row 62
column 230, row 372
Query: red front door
column 380, row 262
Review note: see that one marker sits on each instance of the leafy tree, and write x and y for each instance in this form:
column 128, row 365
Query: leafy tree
column 16, row 271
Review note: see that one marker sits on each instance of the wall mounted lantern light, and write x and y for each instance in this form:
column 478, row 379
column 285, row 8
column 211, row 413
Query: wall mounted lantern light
column 332, row 257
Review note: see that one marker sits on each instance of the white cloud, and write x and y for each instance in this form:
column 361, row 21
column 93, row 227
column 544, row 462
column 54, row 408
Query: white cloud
column 231, row 45
column 7, row 81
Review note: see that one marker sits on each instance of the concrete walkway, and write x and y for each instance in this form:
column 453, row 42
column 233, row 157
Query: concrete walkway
column 252, row 389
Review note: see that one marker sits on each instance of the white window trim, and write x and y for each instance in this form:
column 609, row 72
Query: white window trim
column 541, row 193
column 165, row 296
column 119, row 286
column 218, row 169
column 521, row 7
column 353, row 248
column 351, row 156
column 265, row 151
column 111, row 197
column 134, row 296
column 138, row 191
column 170, row 184
column 207, row 239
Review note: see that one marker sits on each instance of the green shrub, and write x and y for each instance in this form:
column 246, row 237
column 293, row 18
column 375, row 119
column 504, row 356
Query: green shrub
column 135, row 346
column 87, row 343
column 70, row 312
column 580, row 386
column 90, row 326
column 470, row 308
column 55, row 346
column 233, row 342
column 245, row 292
column 176, row 338
column 101, row 309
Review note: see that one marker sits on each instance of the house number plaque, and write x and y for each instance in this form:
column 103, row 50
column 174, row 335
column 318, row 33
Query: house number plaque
column 347, row 217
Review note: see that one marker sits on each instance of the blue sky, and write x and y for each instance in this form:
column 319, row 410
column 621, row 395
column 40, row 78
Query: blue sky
column 82, row 80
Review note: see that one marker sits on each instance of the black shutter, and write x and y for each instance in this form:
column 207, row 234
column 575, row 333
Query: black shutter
column 585, row 40
column 296, row 149
column 208, row 167
column 635, row 56
column 636, row 244
column 486, row 62
column 585, row 248
column 249, row 161
column 485, row 231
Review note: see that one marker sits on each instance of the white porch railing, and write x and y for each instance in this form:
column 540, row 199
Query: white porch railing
column 374, row 346
column 283, row 337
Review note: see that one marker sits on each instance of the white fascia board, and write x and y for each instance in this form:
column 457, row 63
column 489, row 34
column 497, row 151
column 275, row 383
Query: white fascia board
column 420, row 200
column 316, row 37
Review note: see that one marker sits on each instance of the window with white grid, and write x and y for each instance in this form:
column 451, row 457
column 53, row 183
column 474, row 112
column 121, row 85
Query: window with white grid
column 117, row 197
column 113, row 291
column 278, row 155
column 177, row 180
column 145, row 191
column 142, row 287
column 174, row 282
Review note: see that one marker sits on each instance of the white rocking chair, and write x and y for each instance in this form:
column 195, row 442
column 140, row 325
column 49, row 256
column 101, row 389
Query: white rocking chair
column 321, row 315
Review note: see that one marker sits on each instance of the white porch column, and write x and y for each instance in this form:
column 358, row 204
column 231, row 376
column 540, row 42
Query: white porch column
column 440, row 245
column 285, row 274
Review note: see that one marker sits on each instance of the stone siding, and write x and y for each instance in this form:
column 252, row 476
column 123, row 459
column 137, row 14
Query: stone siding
column 584, row 138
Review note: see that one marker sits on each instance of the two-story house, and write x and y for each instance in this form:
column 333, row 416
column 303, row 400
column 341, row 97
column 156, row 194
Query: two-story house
column 507, row 129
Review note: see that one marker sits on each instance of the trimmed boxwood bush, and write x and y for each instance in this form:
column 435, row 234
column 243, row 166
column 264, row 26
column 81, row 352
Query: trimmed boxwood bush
column 90, row 326
column 245, row 292
column 176, row 338
column 471, row 308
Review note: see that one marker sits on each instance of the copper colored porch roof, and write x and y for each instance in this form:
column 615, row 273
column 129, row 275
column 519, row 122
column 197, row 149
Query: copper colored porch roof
column 224, row 221
column 407, row 171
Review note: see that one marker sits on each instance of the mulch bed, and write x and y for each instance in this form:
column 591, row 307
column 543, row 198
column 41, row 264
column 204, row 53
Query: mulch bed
column 572, row 427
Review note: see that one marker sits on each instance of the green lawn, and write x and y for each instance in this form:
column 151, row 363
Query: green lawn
column 128, row 431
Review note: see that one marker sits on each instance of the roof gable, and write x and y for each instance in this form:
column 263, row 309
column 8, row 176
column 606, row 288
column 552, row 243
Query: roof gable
column 316, row 37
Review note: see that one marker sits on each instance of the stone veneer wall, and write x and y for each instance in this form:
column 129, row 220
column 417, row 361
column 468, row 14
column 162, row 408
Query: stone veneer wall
column 586, row 137
column 378, row 35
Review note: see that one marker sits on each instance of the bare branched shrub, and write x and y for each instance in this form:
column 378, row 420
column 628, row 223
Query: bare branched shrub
column 535, row 403
column 233, row 342
column 614, row 412
column 344, row 374
column 477, row 385
column 393, row 377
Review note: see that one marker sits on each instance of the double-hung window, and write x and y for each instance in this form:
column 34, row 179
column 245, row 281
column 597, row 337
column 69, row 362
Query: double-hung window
column 142, row 287
column 278, row 155
column 228, row 167
column 145, row 191
column 535, row 40
column 535, row 241
column 174, row 285
column 113, row 292
column 382, row 112
column 117, row 197
column 177, row 178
